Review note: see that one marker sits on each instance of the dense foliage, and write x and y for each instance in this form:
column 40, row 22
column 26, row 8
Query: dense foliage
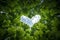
column 11, row 28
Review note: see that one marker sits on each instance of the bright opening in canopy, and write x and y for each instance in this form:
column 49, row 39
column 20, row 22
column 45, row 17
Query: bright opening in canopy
column 32, row 21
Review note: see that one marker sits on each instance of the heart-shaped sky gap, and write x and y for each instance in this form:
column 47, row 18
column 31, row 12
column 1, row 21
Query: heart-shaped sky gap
column 30, row 21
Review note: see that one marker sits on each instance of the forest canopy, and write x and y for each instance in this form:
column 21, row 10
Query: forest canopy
column 11, row 28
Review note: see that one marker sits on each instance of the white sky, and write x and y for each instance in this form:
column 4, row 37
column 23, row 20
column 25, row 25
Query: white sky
column 30, row 22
